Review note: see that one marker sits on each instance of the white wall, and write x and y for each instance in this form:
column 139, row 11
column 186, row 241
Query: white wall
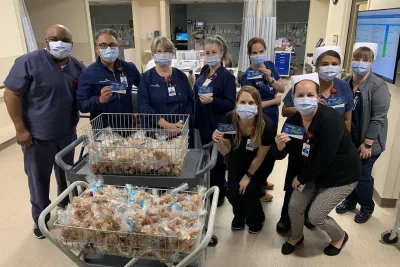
column 338, row 22
column 382, row 4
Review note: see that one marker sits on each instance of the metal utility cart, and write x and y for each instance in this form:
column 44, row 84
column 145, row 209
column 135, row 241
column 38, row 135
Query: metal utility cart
column 391, row 236
column 194, row 166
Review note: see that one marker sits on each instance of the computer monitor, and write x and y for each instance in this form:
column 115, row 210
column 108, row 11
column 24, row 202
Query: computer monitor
column 182, row 36
column 381, row 27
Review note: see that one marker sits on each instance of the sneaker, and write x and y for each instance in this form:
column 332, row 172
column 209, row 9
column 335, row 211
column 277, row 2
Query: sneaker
column 268, row 186
column 266, row 198
column 331, row 250
column 288, row 248
column 36, row 231
column 362, row 217
column 237, row 224
column 282, row 227
column 343, row 208
column 255, row 229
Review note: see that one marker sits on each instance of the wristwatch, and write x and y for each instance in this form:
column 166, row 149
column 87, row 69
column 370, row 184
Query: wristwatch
column 367, row 146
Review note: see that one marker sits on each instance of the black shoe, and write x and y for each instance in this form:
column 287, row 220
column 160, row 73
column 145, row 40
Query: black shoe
column 331, row 250
column 308, row 224
column 36, row 231
column 237, row 224
column 282, row 227
column 289, row 249
column 256, row 229
column 221, row 201
column 362, row 217
column 343, row 208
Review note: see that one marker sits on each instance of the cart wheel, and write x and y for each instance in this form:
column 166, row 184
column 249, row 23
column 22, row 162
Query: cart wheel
column 386, row 237
column 291, row 71
column 213, row 241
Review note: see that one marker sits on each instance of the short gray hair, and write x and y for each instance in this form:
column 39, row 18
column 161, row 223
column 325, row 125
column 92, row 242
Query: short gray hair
column 165, row 42
column 106, row 31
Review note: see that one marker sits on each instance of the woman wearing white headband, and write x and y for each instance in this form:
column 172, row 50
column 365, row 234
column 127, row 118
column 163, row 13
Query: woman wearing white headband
column 323, row 168
column 369, row 126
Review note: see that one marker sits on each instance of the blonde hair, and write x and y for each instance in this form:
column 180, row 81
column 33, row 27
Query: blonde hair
column 165, row 42
column 259, row 120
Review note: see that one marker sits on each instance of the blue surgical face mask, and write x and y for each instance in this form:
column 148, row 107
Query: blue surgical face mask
column 212, row 61
column 110, row 54
column 247, row 111
column 258, row 59
column 305, row 105
column 60, row 49
column 360, row 68
column 163, row 60
column 328, row 73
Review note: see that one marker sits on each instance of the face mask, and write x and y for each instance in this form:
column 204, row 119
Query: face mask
column 212, row 61
column 110, row 54
column 258, row 59
column 163, row 60
column 360, row 68
column 305, row 105
column 60, row 49
column 328, row 73
column 246, row 111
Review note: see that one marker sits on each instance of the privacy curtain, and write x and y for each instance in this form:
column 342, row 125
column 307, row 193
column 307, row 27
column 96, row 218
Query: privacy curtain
column 268, row 26
column 30, row 40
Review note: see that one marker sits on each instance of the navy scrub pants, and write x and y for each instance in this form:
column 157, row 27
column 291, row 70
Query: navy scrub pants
column 39, row 162
column 365, row 188
column 217, row 175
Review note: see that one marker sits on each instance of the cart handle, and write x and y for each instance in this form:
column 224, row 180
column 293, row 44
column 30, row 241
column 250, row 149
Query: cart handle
column 214, row 191
column 46, row 232
column 60, row 155
column 211, row 163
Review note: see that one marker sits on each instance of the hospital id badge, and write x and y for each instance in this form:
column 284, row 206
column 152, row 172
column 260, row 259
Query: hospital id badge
column 249, row 145
column 227, row 128
column 124, row 79
column 293, row 131
column 171, row 91
column 306, row 150
column 254, row 74
column 119, row 88
column 206, row 90
column 336, row 102
column 207, row 82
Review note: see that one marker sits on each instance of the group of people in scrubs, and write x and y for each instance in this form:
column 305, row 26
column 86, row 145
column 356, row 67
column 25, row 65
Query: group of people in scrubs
column 334, row 133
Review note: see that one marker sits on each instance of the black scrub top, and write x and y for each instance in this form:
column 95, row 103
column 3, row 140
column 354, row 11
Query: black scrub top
column 240, row 159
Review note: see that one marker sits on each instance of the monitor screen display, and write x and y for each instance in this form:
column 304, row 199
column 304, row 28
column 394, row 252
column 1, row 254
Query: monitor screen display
column 381, row 27
column 182, row 36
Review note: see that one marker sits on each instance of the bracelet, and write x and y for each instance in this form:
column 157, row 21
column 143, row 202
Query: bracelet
column 249, row 175
column 273, row 80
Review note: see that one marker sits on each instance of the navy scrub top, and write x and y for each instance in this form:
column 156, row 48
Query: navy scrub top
column 343, row 97
column 223, row 87
column 154, row 96
column 266, row 91
column 48, row 94
column 97, row 76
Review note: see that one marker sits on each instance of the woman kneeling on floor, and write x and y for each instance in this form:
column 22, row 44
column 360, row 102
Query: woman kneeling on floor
column 326, row 165
column 245, row 140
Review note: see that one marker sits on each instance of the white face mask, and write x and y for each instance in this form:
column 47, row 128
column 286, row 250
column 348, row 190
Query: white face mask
column 60, row 49
column 247, row 111
column 305, row 105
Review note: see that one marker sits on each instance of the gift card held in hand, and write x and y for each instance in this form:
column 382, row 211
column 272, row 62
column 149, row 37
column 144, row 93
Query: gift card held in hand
column 293, row 131
column 254, row 74
column 206, row 90
column 337, row 102
column 227, row 128
column 118, row 87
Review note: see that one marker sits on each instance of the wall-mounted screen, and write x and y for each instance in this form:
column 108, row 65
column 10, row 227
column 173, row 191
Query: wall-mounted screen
column 182, row 36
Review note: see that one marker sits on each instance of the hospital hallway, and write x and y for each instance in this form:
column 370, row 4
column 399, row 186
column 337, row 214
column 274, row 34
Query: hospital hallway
column 20, row 248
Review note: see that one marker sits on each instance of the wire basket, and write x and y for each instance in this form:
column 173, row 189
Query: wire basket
column 160, row 246
column 134, row 144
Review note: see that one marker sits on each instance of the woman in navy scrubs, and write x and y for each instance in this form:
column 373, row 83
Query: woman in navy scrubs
column 263, row 75
column 335, row 93
column 165, row 90
column 215, row 93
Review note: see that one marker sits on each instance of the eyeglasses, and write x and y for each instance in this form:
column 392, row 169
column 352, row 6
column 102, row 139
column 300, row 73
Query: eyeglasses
column 105, row 46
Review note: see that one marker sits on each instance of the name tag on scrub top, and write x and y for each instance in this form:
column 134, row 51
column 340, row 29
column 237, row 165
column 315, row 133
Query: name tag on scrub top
column 206, row 90
column 171, row 91
column 206, row 82
column 227, row 128
column 119, row 88
column 293, row 131
column 254, row 74
column 337, row 102
column 249, row 145
column 305, row 151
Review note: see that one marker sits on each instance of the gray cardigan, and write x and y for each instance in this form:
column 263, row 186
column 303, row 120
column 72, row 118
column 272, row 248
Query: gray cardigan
column 376, row 103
